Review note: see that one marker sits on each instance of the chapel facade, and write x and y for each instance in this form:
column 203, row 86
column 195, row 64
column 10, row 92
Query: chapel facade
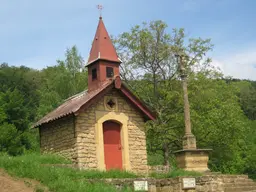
column 102, row 127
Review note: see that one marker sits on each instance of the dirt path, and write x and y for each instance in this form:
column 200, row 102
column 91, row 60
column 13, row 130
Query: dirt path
column 10, row 184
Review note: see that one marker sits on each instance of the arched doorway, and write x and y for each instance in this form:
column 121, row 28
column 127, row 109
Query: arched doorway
column 112, row 145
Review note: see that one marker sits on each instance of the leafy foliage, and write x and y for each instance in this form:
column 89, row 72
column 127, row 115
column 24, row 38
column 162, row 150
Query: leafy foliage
column 26, row 95
column 149, row 53
column 18, row 101
column 223, row 110
column 218, row 107
column 59, row 82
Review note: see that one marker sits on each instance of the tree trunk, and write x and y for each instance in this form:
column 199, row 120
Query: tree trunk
column 154, row 83
column 166, row 155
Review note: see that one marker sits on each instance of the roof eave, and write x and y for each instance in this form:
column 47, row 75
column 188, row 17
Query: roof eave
column 94, row 99
column 115, row 83
column 37, row 125
column 119, row 61
column 137, row 102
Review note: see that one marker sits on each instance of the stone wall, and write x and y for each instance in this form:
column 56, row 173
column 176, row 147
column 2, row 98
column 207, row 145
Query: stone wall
column 136, row 136
column 59, row 137
column 75, row 137
column 225, row 183
column 86, row 138
column 159, row 169
column 207, row 183
column 137, row 145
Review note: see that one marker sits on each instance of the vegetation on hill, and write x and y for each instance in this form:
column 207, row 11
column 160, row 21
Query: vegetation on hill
column 223, row 110
column 53, row 172
column 59, row 179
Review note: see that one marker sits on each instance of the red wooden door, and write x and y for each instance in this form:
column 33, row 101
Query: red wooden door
column 112, row 145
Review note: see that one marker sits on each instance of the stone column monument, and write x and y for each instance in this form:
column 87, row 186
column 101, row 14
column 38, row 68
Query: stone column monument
column 189, row 158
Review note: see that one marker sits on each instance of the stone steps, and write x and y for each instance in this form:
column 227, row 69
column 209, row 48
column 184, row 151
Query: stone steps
column 213, row 183
column 241, row 184
column 240, row 189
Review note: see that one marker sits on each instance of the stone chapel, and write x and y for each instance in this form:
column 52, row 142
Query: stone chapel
column 102, row 127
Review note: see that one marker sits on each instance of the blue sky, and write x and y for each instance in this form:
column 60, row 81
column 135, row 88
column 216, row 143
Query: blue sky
column 36, row 33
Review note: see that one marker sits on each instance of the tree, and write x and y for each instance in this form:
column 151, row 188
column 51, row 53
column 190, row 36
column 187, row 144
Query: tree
column 151, row 70
column 14, row 124
column 26, row 81
column 148, row 52
column 75, row 71
column 250, row 155
column 247, row 96
column 18, row 105
column 219, row 123
column 61, row 81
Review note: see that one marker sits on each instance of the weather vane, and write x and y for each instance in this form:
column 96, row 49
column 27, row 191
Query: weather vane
column 100, row 7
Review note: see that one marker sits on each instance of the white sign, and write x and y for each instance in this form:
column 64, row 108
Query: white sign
column 140, row 185
column 189, row 183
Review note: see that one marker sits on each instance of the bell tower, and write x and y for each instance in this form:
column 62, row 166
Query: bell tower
column 103, row 63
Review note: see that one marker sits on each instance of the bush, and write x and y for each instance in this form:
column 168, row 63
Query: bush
column 155, row 159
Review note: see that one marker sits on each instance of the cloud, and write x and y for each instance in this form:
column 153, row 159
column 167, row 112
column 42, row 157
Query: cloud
column 240, row 65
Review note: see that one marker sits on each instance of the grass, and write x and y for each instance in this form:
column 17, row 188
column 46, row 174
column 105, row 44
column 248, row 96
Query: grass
column 59, row 179
column 65, row 179
column 175, row 173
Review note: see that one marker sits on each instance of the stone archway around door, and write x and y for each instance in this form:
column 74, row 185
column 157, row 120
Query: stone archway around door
column 122, row 120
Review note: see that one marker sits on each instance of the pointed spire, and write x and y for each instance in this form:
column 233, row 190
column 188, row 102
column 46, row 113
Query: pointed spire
column 102, row 47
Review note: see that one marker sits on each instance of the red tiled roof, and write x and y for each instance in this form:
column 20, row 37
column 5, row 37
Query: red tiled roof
column 102, row 47
column 81, row 101
column 71, row 105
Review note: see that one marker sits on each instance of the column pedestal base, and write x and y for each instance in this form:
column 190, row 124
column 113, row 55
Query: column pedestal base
column 193, row 159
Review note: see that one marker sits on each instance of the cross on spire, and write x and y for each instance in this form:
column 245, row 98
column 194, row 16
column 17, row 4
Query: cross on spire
column 100, row 7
